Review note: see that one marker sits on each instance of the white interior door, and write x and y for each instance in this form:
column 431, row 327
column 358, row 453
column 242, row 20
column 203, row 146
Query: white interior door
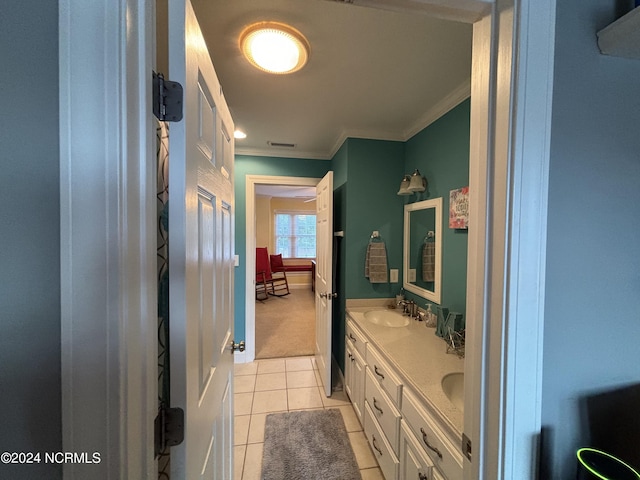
column 324, row 277
column 200, row 257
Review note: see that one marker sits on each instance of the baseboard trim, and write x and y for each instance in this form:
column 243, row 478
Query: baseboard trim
column 240, row 357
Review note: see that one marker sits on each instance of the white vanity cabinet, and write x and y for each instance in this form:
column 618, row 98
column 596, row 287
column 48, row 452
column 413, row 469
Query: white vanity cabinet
column 354, row 368
column 433, row 441
column 404, row 432
column 414, row 463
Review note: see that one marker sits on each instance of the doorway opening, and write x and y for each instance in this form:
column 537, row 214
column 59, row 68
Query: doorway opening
column 285, row 235
column 278, row 326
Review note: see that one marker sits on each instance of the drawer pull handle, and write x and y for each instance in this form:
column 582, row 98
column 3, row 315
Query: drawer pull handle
column 350, row 356
column 375, row 445
column 353, row 339
column 422, row 476
column 375, row 369
column 375, row 405
column 426, row 442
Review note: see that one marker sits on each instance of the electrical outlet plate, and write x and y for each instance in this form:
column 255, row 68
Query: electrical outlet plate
column 393, row 275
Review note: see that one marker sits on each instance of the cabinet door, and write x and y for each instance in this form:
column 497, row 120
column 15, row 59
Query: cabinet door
column 358, row 372
column 414, row 464
column 348, row 369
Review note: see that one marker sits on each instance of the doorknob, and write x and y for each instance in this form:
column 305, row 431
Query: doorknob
column 328, row 295
column 237, row 346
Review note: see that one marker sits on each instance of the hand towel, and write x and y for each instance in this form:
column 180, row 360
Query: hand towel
column 375, row 264
column 428, row 262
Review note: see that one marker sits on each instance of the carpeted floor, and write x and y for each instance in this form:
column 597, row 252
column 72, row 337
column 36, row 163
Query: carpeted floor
column 286, row 326
column 308, row 445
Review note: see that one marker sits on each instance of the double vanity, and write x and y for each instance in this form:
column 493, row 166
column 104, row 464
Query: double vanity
column 406, row 391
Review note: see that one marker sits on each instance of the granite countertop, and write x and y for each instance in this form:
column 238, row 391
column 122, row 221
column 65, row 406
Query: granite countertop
column 419, row 356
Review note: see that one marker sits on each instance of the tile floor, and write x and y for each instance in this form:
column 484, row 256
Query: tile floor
column 281, row 385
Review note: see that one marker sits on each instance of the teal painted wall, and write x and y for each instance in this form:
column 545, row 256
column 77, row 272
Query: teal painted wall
column 441, row 153
column 365, row 199
column 367, row 175
column 339, row 165
column 249, row 165
column 30, row 372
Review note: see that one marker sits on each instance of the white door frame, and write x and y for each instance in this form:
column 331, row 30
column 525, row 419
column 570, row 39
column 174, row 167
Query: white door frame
column 108, row 241
column 106, row 155
column 250, row 252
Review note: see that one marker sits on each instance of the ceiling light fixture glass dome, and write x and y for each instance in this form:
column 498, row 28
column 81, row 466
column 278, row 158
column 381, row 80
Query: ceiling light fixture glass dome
column 274, row 47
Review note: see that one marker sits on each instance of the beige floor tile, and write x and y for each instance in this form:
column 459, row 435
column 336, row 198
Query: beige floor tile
column 238, row 461
column 253, row 462
column 336, row 399
column 351, row 422
column 362, row 451
column 245, row 369
column 256, row 428
column 372, row 474
column 244, row 383
column 271, row 366
column 300, row 379
column 271, row 381
column 242, row 403
column 270, row 401
column 298, row 364
column 318, row 379
column 302, row 398
column 241, row 429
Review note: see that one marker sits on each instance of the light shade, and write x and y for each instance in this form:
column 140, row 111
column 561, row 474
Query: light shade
column 274, row 47
column 418, row 183
column 404, row 186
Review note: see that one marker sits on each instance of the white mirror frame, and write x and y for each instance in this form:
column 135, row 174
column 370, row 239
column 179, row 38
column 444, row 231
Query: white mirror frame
column 434, row 295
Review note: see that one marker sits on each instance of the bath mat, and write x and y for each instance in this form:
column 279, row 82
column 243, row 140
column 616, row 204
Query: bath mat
column 308, row 445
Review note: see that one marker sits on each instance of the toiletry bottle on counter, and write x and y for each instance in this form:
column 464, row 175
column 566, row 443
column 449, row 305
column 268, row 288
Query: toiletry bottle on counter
column 400, row 296
column 430, row 317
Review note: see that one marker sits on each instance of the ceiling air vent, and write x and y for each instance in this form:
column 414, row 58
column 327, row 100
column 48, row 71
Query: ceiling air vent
column 281, row 145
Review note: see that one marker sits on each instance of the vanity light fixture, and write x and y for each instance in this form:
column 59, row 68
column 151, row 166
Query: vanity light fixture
column 404, row 186
column 418, row 183
column 274, row 47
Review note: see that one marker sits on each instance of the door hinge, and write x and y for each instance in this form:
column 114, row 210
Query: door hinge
column 237, row 346
column 169, row 429
column 466, row 446
column 167, row 99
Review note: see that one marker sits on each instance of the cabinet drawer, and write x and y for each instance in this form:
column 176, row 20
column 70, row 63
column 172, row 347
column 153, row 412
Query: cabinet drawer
column 387, row 460
column 383, row 410
column 384, row 374
column 414, row 463
column 357, row 338
column 442, row 452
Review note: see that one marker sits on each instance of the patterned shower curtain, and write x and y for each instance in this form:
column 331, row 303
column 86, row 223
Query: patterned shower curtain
column 162, row 156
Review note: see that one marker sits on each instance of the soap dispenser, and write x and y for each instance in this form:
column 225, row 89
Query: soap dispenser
column 430, row 317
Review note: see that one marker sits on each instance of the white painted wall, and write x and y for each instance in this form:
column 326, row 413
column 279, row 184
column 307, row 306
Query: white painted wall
column 592, row 325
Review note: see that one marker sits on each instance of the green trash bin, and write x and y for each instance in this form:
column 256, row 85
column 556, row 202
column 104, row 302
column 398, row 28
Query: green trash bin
column 595, row 464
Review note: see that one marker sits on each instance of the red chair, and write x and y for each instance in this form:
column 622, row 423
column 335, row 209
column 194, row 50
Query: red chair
column 268, row 282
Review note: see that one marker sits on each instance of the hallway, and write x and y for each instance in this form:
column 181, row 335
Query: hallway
column 280, row 385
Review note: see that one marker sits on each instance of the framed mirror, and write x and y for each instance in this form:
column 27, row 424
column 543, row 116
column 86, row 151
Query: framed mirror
column 422, row 251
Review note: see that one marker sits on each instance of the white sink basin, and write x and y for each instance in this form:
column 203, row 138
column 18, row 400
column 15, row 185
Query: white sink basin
column 453, row 388
column 386, row 318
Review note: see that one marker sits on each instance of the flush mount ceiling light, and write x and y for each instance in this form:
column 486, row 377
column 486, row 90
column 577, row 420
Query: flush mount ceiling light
column 274, row 47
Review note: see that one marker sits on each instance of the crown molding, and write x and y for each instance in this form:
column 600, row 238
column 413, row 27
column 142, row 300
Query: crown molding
column 448, row 103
